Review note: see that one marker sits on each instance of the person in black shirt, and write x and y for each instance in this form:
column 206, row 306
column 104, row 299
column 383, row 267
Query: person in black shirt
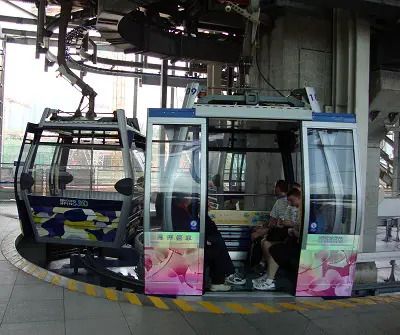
column 222, row 270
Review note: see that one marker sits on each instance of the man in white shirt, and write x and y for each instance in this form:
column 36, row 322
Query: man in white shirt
column 277, row 212
column 267, row 282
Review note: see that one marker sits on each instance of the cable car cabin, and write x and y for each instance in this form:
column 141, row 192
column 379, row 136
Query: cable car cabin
column 79, row 181
column 222, row 159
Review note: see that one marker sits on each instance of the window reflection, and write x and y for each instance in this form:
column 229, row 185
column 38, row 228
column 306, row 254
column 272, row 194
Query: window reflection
column 175, row 177
column 332, row 182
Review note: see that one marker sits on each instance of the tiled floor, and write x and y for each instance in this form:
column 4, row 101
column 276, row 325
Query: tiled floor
column 30, row 306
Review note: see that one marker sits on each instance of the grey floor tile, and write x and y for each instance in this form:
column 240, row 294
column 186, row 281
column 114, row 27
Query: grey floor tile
column 32, row 311
column 286, row 321
column 8, row 277
column 44, row 291
column 387, row 323
column 33, row 328
column 348, row 325
column 82, row 306
column 206, row 323
column 104, row 326
column 7, row 266
column 130, row 310
column 313, row 329
column 150, row 321
column 321, row 313
column 5, row 292
column 3, row 306
column 24, row 278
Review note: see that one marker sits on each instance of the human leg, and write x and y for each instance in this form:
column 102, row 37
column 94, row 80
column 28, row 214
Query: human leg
column 217, row 272
column 266, row 282
column 225, row 261
column 232, row 277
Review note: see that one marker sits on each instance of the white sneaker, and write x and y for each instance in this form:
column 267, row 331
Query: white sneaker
column 220, row 288
column 236, row 279
column 266, row 285
column 264, row 277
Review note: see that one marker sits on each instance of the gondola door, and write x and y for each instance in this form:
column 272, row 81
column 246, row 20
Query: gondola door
column 175, row 202
column 24, row 177
column 331, row 208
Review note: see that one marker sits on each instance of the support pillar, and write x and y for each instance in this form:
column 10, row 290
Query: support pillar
column 3, row 46
column 135, row 91
column 214, row 72
column 361, row 104
column 164, row 83
column 396, row 163
column 164, row 92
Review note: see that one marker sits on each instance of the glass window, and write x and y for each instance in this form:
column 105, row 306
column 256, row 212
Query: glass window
column 175, row 177
column 138, row 165
column 333, row 198
column 25, row 151
column 74, row 167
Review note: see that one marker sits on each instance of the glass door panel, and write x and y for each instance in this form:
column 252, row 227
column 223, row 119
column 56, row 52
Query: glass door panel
column 174, row 232
column 331, row 210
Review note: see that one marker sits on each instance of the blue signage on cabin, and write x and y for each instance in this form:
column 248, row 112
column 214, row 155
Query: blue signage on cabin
column 193, row 225
column 313, row 228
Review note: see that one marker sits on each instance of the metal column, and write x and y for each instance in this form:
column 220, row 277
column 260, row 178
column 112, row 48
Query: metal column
column 41, row 21
column 3, row 45
column 214, row 74
column 164, row 95
column 135, row 91
column 172, row 96
column 396, row 162
column 164, row 83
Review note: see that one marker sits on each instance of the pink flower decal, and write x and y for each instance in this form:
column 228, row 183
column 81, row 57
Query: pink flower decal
column 326, row 273
column 174, row 271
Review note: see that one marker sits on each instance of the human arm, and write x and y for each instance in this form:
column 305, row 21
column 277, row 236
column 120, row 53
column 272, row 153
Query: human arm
column 294, row 232
column 287, row 223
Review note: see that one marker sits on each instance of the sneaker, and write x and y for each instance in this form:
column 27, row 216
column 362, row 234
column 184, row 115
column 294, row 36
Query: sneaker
column 266, row 285
column 260, row 279
column 220, row 288
column 236, row 279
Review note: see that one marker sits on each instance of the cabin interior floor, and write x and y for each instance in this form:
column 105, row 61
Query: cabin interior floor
column 31, row 306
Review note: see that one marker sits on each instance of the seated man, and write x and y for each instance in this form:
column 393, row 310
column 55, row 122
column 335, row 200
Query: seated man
column 267, row 282
column 276, row 216
column 292, row 212
column 277, row 211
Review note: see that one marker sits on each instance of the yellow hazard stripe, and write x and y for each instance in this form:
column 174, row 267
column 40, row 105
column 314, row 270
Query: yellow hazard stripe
column 90, row 290
column 158, row 302
column 56, row 280
column 266, row 308
column 110, row 294
column 210, row 307
column 31, row 268
column 133, row 299
column 362, row 301
column 42, row 274
column 340, row 303
column 183, row 305
column 293, row 307
column 396, row 297
column 71, row 284
column 381, row 299
column 319, row 306
column 238, row 308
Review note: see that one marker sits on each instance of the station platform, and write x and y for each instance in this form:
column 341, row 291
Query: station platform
column 35, row 301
